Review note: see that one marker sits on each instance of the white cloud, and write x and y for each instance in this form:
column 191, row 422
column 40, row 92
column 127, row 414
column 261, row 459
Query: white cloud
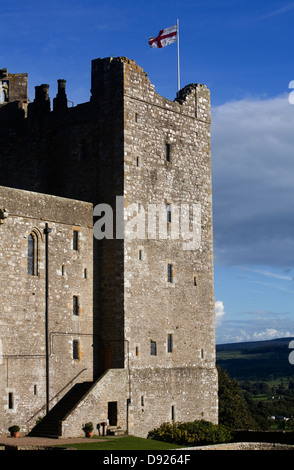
column 269, row 274
column 253, row 167
column 270, row 333
column 219, row 312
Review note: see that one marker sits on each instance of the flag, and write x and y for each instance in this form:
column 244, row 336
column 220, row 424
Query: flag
column 165, row 37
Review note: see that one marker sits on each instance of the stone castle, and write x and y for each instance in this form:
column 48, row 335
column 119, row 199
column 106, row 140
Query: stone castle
column 103, row 317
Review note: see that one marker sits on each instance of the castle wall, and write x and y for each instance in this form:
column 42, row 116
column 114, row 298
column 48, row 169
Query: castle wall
column 23, row 382
column 153, row 301
column 176, row 315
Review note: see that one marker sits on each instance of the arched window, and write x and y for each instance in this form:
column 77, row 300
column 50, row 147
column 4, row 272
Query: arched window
column 32, row 254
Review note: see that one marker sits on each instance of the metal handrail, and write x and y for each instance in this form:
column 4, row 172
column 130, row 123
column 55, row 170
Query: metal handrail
column 58, row 393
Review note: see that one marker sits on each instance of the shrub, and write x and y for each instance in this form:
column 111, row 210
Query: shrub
column 193, row 433
column 13, row 429
column 88, row 427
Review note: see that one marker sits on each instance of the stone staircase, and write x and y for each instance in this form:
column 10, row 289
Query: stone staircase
column 50, row 426
column 115, row 431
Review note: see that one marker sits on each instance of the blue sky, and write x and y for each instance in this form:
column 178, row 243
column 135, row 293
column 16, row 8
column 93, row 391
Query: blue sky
column 241, row 49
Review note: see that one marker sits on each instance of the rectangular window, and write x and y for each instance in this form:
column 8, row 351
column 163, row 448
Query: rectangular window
column 169, row 343
column 173, row 412
column 167, row 152
column 75, row 305
column 10, row 401
column 153, row 351
column 75, row 240
column 75, row 349
column 32, row 255
column 168, row 213
column 170, row 273
column 140, row 255
column 195, row 281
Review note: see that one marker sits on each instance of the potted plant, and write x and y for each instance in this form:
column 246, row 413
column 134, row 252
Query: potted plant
column 14, row 431
column 88, row 429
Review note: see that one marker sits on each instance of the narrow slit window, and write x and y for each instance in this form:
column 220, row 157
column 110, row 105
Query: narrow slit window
column 169, row 343
column 195, row 281
column 10, row 401
column 75, row 240
column 76, row 349
column 173, row 412
column 140, row 255
column 153, row 349
column 138, row 161
column 167, row 152
column 170, row 273
column 168, row 213
column 32, row 254
column 63, row 270
column 75, row 305
column 85, row 273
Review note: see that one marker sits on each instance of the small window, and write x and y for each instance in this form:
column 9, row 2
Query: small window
column 173, row 412
column 137, row 351
column 153, row 349
column 85, row 273
column 138, row 162
column 140, row 255
column 63, row 270
column 32, row 254
column 168, row 213
column 136, row 117
column 35, row 390
column 169, row 343
column 170, row 273
column 75, row 305
column 168, row 152
column 10, row 401
column 195, row 281
column 75, row 240
column 142, row 400
column 76, row 349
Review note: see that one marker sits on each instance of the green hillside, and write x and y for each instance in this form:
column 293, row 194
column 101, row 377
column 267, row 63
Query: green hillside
column 260, row 360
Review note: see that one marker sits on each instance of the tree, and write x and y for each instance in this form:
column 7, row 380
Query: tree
column 233, row 409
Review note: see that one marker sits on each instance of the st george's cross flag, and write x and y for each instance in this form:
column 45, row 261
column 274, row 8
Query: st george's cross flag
column 165, row 37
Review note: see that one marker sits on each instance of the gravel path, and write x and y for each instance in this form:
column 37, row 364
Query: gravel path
column 42, row 441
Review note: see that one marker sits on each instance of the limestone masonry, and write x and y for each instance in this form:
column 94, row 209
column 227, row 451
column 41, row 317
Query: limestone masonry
column 106, row 256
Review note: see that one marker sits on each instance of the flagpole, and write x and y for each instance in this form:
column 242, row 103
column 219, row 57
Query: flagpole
column 178, row 48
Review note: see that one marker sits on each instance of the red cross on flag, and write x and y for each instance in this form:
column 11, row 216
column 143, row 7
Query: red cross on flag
column 165, row 37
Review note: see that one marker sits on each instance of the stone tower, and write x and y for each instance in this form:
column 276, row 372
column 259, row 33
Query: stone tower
column 144, row 163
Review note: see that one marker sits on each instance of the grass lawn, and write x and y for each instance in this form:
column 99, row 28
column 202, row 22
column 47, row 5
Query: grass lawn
column 125, row 443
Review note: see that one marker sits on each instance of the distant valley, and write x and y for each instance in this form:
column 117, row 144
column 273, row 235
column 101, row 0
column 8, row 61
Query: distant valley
column 256, row 360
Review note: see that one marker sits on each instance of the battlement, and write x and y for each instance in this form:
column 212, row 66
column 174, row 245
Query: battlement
column 112, row 78
column 13, row 87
